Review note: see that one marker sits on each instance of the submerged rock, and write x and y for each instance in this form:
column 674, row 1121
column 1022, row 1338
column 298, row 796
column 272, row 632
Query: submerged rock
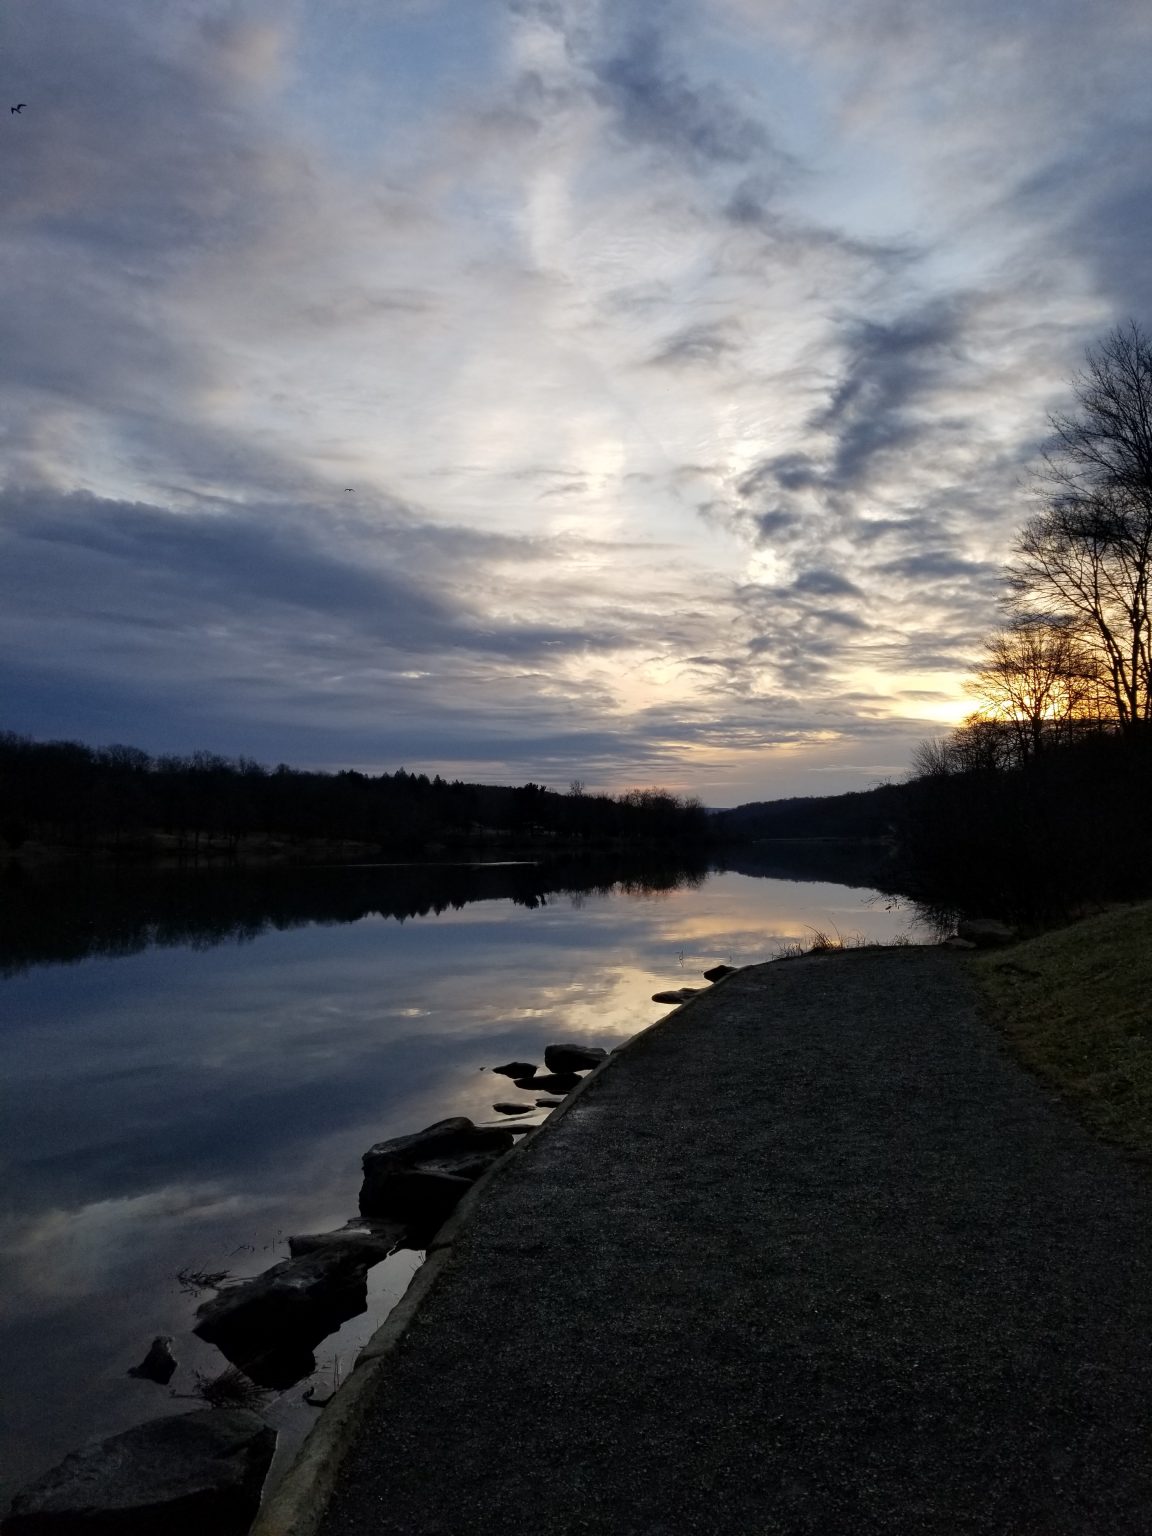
column 516, row 1069
column 573, row 1058
column 269, row 1325
column 549, row 1103
column 512, row 1109
column 185, row 1475
column 159, row 1364
column 363, row 1237
column 718, row 972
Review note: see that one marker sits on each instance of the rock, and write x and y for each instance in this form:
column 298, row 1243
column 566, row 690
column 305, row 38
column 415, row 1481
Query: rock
column 718, row 972
column 954, row 941
column 676, row 994
column 370, row 1240
column 185, row 1475
column 516, row 1069
column 454, row 1149
column 447, row 1138
column 159, row 1364
column 550, row 1082
column 548, row 1103
column 269, row 1325
column 512, row 1109
column 572, row 1058
column 985, row 932
column 424, row 1195
column 466, row 1167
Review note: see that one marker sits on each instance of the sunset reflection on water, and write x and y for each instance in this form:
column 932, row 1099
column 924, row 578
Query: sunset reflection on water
column 192, row 1105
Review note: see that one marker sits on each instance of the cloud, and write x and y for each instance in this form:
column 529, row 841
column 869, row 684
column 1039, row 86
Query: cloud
column 686, row 359
column 889, row 369
column 706, row 344
column 656, row 104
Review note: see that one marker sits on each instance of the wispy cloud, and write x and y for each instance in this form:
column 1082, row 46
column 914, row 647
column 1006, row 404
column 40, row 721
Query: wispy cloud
column 684, row 360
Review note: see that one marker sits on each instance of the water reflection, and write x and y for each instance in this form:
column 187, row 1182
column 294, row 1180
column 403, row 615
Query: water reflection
column 120, row 910
column 178, row 1099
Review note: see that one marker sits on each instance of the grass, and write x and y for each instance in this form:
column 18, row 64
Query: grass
column 193, row 1281
column 231, row 1389
column 821, row 943
column 1076, row 1006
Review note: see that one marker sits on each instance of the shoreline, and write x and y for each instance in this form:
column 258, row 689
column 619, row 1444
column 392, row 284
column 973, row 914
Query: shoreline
column 885, row 1126
column 298, row 1500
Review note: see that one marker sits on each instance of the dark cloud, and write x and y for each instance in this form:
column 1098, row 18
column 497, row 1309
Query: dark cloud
column 823, row 582
column 771, row 525
column 657, row 104
column 889, row 369
column 1096, row 199
column 786, row 472
column 349, row 592
column 941, row 565
column 707, row 343
column 839, row 618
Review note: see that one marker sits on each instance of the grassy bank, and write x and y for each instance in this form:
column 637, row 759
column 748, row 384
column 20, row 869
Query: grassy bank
column 1076, row 1005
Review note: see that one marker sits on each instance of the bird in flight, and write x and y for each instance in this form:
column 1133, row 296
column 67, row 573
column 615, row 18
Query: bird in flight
column 19, row 107
column 349, row 488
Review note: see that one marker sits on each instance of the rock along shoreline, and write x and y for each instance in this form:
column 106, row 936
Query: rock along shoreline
column 296, row 1505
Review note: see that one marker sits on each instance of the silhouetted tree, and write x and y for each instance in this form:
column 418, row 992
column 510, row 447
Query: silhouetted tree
column 1040, row 680
column 1085, row 561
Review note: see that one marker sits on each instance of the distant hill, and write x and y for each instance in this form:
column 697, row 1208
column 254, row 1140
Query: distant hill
column 867, row 813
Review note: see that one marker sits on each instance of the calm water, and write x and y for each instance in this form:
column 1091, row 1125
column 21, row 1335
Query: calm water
column 194, row 1064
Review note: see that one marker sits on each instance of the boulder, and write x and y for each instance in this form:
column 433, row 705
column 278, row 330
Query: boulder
column 369, row 1240
column 718, row 972
column 676, row 994
column 469, row 1167
column 394, row 1182
column 512, row 1109
column 985, row 932
column 159, row 1364
column 550, row 1082
column 423, row 1195
column 269, row 1325
column 447, row 1138
column 185, row 1475
column 573, row 1058
column 516, row 1069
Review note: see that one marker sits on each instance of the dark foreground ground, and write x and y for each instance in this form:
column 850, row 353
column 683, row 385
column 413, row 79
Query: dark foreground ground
column 814, row 1256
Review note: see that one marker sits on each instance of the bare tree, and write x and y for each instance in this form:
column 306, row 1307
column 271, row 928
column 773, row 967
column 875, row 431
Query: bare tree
column 1084, row 563
column 978, row 745
column 1039, row 679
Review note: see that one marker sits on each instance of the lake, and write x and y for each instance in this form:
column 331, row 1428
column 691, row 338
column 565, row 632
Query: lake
column 196, row 1060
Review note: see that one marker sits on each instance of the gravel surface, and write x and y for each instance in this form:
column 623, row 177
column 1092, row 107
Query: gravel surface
column 814, row 1256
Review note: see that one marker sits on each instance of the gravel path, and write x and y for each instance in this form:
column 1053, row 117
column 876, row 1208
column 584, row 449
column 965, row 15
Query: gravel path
column 815, row 1256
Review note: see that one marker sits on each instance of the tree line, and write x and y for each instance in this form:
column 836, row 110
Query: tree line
column 65, row 794
column 1041, row 796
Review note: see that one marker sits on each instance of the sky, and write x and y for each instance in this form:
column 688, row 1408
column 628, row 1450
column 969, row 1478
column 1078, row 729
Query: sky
column 635, row 391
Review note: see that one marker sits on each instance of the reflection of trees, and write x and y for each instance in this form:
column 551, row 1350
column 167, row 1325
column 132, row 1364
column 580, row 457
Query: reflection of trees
column 58, row 918
column 863, row 865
